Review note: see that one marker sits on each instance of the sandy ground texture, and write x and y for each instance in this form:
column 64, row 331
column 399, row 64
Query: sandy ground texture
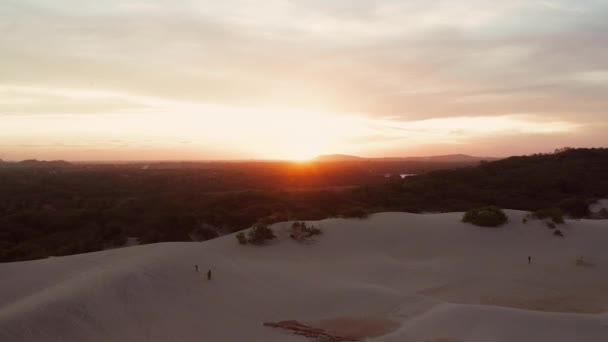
column 394, row 277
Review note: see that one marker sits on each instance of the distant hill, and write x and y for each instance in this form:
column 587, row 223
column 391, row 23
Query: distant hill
column 33, row 163
column 564, row 179
column 449, row 158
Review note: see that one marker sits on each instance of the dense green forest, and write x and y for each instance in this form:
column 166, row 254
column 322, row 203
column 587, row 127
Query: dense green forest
column 62, row 210
column 524, row 183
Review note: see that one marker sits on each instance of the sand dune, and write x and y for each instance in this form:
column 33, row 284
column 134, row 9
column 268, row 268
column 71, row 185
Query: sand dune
column 392, row 277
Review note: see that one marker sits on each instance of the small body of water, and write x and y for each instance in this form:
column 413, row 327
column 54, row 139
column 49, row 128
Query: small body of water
column 402, row 175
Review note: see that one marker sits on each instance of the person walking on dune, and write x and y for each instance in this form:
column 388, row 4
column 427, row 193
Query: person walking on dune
column 529, row 260
column 196, row 268
column 209, row 275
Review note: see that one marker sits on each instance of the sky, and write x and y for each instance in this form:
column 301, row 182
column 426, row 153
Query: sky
column 291, row 79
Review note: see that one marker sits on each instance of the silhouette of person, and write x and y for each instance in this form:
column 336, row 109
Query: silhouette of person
column 209, row 275
column 529, row 260
column 196, row 268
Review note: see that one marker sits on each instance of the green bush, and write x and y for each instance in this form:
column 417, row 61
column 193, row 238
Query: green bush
column 241, row 238
column 604, row 213
column 260, row 234
column 485, row 217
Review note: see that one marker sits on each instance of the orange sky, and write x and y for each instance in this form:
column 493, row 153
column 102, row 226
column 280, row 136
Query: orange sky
column 138, row 80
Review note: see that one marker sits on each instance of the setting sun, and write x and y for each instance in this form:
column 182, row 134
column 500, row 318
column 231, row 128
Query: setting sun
column 303, row 158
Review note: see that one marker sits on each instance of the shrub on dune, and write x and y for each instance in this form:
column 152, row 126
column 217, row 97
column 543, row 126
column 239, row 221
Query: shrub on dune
column 260, row 234
column 301, row 232
column 241, row 238
column 485, row 217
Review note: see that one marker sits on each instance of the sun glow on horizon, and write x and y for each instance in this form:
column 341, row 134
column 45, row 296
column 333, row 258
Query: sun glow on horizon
column 181, row 130
column 302, row 158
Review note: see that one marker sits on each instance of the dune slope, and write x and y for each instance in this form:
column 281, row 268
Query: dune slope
column 402, row 277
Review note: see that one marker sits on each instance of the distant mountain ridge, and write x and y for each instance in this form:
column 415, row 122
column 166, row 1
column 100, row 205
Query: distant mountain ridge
column 34, row 163
column 448, row 158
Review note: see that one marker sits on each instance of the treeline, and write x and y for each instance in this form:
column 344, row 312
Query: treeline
column 52, row 209
column 525, row 183
column 49, row 212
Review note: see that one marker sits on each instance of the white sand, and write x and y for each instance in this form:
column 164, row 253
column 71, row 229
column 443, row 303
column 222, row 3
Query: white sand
column 439, row 279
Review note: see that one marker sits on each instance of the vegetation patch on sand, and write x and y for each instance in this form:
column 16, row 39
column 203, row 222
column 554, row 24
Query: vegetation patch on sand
column 257, row 235
column 485, row 217
column 301, row 232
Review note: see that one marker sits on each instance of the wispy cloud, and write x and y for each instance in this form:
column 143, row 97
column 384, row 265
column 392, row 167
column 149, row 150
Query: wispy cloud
column 414, row 63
